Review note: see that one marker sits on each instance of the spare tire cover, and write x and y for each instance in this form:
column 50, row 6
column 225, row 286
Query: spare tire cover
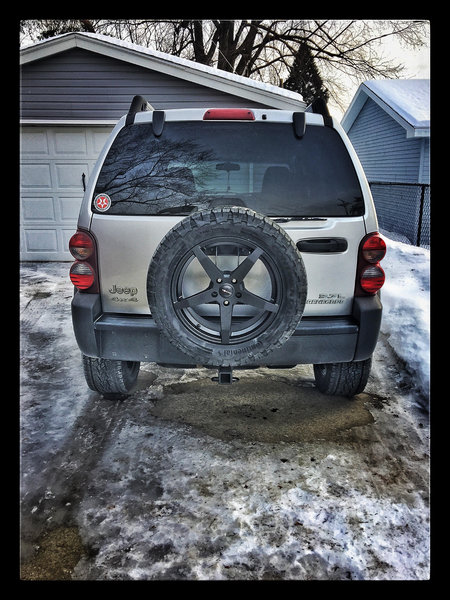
column 227, row 286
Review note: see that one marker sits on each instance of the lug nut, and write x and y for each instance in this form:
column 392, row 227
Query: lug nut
column 219, row 280
column 234, row 281
column 226, row 303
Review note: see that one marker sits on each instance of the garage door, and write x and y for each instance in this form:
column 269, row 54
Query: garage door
column 53, row 160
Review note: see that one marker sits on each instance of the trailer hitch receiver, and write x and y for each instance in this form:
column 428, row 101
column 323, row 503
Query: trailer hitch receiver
column 224, row 376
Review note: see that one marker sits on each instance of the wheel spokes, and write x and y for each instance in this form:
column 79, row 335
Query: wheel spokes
column 194, row 300
column 226, row 312
column 211, row 269
column 243, row 269
column 257, row 302
column 226, row 289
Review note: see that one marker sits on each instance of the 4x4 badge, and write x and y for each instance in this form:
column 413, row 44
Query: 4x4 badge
column 102, row 202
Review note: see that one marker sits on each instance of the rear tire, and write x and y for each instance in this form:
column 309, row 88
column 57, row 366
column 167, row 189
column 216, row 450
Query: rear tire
column 342, row 379
column 113, row 379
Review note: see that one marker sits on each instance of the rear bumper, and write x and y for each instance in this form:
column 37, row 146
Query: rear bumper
column 136, row 337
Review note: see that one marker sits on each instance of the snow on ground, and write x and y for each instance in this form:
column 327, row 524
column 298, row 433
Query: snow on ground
column 406, row 307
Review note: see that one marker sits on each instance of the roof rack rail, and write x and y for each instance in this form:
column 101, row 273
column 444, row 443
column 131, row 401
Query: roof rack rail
column 138, row 104
column 319, row 106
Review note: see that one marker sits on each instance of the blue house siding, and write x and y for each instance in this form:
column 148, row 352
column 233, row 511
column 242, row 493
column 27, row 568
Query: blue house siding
column 387, row 155
column 424, row 172
column 388, row 125
column 385, row 152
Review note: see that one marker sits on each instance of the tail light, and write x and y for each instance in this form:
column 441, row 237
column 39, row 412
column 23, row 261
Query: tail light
column 81, row 245
column 372, row 279
column 373, row 248
column 370, row 276
column 83, row 272
column 82, row 275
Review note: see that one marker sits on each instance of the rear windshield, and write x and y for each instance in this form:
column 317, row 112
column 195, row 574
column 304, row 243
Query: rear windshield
column 202, row 164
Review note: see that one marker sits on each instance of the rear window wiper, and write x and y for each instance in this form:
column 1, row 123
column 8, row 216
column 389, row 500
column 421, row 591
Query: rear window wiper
column 185, row 209
column 287, row 219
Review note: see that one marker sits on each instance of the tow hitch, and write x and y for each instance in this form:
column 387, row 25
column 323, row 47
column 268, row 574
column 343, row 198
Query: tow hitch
column 224, row 376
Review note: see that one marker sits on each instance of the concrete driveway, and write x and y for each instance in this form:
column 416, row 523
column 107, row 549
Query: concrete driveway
column 265, row 479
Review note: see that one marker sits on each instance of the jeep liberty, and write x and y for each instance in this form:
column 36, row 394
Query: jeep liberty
column 227, row 238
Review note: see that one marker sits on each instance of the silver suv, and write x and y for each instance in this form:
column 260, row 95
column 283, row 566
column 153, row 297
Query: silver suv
column 227, row 238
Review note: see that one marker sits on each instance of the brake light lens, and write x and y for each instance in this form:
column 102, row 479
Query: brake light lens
column 83, row 272
column 82, row 275
column 372, row 279
column 370, row 276
column 81, row 245
column 226, row 114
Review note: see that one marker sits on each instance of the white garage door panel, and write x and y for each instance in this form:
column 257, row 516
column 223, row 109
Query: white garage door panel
column 38, row 209
column 70, row 142
column 69, row 174
column 41, row 240
column 34, row 141
column 53, row 160
column 36, row 176
column 69, row 207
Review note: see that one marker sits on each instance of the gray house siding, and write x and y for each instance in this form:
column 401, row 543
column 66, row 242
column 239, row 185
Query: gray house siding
column 78, row 84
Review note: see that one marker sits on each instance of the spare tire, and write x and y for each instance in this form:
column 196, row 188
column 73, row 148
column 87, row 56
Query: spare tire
column 227, row 286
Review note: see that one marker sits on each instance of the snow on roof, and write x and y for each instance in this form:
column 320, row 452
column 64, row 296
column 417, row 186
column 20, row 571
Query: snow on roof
column 410, row 98
column 182, row 64
column 405, row 100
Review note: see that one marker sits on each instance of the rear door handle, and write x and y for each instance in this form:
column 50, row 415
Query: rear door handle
column 321, row 245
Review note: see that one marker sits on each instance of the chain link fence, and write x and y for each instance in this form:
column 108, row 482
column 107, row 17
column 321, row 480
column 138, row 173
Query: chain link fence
column 404, row 208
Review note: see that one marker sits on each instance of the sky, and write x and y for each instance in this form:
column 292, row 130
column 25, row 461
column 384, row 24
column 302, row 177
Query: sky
column 416, row 62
